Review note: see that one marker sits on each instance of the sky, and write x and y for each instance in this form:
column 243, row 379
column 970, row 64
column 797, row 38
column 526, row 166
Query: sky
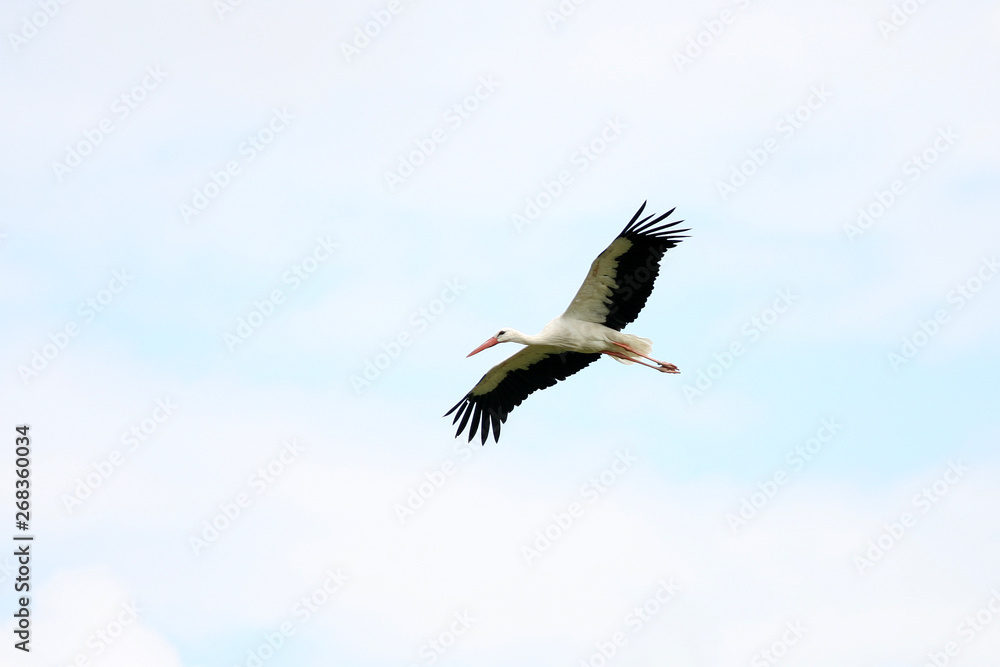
column 246, row 246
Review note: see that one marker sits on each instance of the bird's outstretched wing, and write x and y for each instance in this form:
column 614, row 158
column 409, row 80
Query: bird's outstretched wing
column 621, row 278
column 511, row 381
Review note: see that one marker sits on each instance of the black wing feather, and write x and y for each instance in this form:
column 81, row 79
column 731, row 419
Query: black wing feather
column 639, row 266
column 512, row 381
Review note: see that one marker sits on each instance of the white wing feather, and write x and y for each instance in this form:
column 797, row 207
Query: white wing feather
column 593, row 298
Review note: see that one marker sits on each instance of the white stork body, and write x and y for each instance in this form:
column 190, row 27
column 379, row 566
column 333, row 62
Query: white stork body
column 573, row 335
column 615, row 290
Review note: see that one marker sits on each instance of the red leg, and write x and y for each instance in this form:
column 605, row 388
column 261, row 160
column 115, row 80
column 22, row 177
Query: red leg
column 663, row 368
column 670, row 368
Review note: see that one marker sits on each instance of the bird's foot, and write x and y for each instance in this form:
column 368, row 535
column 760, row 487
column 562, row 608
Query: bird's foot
column 667, row 368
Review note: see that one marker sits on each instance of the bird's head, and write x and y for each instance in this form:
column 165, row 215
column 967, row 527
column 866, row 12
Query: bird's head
column 503, row 336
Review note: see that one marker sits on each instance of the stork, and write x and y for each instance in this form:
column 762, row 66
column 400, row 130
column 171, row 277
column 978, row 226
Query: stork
column 615, row 290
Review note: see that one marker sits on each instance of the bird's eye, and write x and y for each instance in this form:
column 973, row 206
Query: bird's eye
column 501, row 333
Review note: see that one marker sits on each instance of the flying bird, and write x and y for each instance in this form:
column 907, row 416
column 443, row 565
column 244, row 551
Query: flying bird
column 615, row 290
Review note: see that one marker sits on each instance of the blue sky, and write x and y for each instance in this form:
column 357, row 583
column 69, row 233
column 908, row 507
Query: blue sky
column 411, row 547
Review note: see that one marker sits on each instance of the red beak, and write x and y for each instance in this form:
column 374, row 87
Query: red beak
column 490, row 343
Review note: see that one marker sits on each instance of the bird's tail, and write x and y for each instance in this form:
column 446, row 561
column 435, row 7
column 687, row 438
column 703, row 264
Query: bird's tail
column 637, row 343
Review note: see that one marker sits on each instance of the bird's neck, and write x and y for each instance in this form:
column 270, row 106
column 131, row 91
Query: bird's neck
column 522, row 338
